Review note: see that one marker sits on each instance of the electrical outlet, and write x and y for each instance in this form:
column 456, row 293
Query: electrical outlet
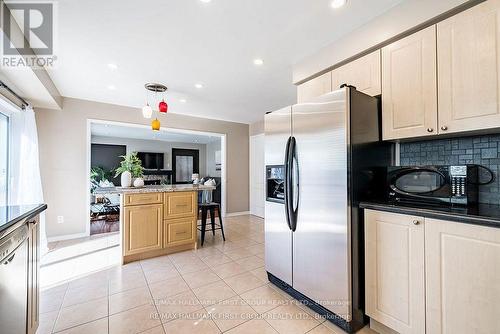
column 60, row 219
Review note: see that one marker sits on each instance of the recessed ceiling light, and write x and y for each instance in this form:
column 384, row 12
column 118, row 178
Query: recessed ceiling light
column 338, row 3
column 112, row 66
column 258, row 62
column 205, row 1
column 198, row 85
column 111, row 87
column 182, row 100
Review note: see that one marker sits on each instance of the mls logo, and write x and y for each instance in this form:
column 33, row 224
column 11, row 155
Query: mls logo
column 28, row 28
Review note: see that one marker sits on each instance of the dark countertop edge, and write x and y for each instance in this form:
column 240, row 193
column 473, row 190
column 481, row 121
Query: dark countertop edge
column 429, row 213
column 25, row 216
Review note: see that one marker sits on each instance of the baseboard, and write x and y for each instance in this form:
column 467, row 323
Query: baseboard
column 234, row 214
column 67, row 237
column 381, row 328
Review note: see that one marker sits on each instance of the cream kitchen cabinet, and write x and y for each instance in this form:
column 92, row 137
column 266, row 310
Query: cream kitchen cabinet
column 462, row 278
column 142, row 228
column 409, row 86
column 394, row 271
column 469, row 69
column 431, row 276
column 363, row 73
column 314, row 88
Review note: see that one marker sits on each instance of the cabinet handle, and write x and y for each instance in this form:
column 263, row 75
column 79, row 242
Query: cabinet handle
column 430, row 130
column 416, row 222
column 444, row 128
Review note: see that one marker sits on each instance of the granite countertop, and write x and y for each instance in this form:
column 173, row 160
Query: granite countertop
column 482, row 214
column 152, row 189
column 12, row 214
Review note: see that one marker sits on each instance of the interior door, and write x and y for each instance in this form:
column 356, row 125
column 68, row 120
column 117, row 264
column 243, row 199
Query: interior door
column 278, row 242
column 321, row 263
column 185, row 163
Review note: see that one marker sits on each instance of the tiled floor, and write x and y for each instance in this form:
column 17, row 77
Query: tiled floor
column 221, row 287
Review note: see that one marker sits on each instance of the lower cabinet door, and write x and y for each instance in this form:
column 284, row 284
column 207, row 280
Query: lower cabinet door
column 142, row 228
column 180, row 231
column 394, row 284
column 463, row 278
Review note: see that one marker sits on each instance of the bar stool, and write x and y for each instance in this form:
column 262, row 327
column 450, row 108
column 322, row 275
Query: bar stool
column 205, row 208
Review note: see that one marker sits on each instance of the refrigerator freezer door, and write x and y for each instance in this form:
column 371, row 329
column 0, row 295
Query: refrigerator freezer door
column 321, row 256
column 278, row 241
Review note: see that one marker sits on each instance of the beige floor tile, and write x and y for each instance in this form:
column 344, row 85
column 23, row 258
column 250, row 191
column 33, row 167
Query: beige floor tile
column 261, row 273
column 95, row 327
column 191, row 267
column 229, row 269
column 134, row 320
column 160, row 274
column 264, row 298
column 255, row 249
column 200, row 278
column 230, row 313
column 244, row 282
column 152, row 264
column 214, row 260
column 198, row 323
column 81, row 313
column 238, row 253
column 214, row 293
column 129, row 299
column 175, row 306
column 91, row 280
column 51, row 300
column 251, row 262
column 207, row 251
column 253, row 326
column 84, row 293
column 47, row 321
column 167, row 288
column 290, row 319
column 322, row 329
column 155, row 330
column 227, row 246
column 126, row 282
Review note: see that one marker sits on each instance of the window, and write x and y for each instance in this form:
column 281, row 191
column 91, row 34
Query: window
column 4, row 159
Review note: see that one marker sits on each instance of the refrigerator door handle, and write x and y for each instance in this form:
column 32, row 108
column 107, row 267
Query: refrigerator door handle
column 293, row 201
column 288, row 183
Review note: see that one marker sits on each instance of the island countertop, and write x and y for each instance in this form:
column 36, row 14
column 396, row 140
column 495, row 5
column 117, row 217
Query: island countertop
column 152, row 189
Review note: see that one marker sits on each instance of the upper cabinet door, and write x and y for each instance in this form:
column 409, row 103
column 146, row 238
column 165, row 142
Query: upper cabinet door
column 468, row 69
column 314, row 88
column 409, row 99
column 363, row 73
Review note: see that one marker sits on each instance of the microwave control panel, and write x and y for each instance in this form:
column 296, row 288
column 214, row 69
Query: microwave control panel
column 458, row 179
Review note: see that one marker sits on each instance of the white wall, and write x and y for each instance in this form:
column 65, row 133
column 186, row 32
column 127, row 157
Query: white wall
column 211, row 149
column 139, row 145
column 257, row 175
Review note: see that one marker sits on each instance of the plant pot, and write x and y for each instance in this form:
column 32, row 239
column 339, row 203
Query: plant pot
column 139, row 182
column 126, row 179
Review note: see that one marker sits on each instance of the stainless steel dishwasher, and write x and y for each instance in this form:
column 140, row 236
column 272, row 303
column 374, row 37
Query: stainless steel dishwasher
column 14, row 281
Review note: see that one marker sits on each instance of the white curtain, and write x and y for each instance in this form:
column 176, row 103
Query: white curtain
column 25, row 181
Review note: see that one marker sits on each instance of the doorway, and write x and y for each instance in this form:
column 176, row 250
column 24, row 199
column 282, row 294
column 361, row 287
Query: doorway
column 185, row 163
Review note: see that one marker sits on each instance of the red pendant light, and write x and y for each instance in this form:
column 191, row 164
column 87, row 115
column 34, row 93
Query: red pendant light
column 163, row 106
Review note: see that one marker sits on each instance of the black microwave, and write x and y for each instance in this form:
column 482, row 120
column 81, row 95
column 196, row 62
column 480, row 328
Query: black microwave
column 440, row 185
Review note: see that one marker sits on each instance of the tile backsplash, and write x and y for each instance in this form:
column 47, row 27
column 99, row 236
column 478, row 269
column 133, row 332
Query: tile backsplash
column 480, row 150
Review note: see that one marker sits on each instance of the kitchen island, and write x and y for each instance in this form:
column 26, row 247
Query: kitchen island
column 157, row 220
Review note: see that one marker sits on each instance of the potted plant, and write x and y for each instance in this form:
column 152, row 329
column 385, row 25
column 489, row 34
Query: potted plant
column 130, row 167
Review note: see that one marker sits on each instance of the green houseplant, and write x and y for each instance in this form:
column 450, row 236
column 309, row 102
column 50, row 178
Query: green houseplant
column 130, row 167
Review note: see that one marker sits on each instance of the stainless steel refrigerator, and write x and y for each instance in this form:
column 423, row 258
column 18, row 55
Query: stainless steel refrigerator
column 325, row 155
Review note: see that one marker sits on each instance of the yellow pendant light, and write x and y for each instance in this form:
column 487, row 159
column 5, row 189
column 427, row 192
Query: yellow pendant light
column 155, row 125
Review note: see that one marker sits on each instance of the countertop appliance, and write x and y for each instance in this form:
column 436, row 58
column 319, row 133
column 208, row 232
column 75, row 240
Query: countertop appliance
column 14, row 281
column 438, row 185
column 314, row 237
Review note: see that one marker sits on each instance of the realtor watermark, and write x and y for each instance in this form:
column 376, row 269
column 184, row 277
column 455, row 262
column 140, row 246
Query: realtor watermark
column 28, row 33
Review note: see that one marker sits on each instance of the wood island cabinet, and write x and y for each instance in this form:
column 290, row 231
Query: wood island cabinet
column 156, row 224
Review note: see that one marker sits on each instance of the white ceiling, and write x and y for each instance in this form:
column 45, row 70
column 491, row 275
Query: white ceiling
column 183, row 42
column 145, row 133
